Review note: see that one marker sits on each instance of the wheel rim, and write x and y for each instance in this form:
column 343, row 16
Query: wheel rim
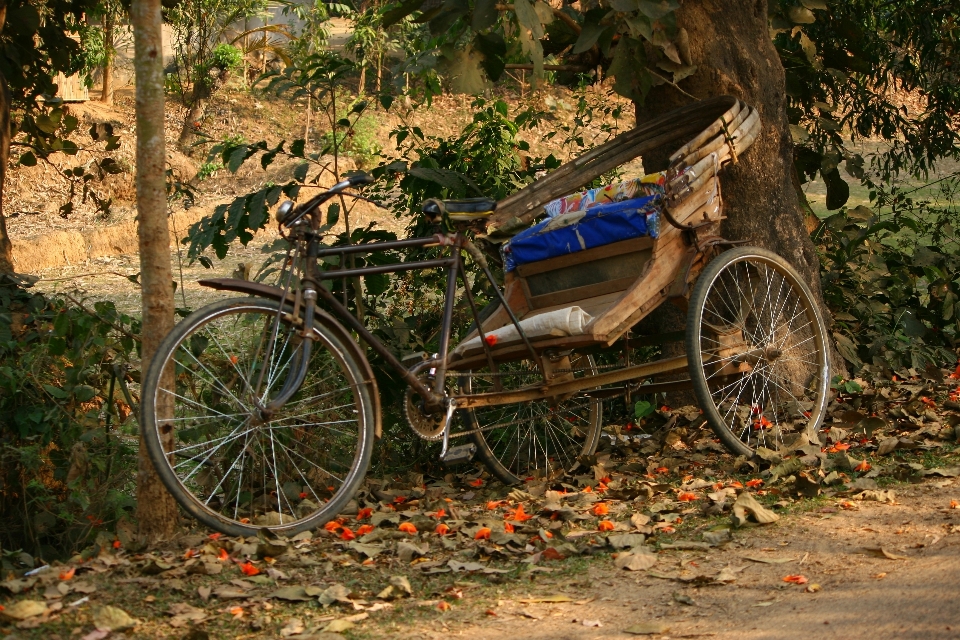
column 227, row 458
column 762, row 352
column 536, row 439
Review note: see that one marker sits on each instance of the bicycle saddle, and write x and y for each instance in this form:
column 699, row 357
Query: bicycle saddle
column 465, row 209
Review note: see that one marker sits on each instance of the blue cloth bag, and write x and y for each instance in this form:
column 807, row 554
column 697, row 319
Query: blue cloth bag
column 577, row 231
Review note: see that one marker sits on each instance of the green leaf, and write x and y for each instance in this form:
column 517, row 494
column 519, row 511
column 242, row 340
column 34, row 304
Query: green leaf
column 386, row 101
column 333, row 214
column 84, row 393
column 296, row 149
column 464, row 71
column 206, row 262
column 485, row 14
column 237, row 156
column 494, row 50
column 28, row 159
column 657, row 10
column 624, row 6
column 588, row 37
column 60, row 394
column 642, row 409
column 838, row 191
column 399, row 12
column 300, row 173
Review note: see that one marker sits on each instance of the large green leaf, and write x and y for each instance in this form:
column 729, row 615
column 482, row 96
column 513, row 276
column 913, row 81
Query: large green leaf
column 485, row 14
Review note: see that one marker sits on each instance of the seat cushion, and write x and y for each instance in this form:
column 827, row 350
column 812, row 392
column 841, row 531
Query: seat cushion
column 584, row 229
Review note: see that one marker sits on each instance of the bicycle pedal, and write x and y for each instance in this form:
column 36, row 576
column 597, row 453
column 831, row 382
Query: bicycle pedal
column 460, row 454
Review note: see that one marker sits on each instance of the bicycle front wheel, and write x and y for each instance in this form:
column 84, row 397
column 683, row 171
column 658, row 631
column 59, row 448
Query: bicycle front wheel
column 757, row 350
column 228, row 465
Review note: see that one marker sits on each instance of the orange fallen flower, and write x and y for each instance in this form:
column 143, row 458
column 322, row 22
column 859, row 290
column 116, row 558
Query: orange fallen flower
column 364, row 529
column 249, row 569
column 762, row 423
column 756, row 482
column 439, row 513
column 798, row 579
column 605, row 525
column 588, row 489
column 601, row 488
column 215, row 536
column 332, row 526
column 347, row 534
column 863, row 466
column 442, row 529
column 68, row 574
column 407, row 527
column 954, row 504
column 600, row 509
column 956, row 374
column 736, row 484
column 928, row 401
column 687, row 496
column 476, row 483
column 116, row 544
column 493, row 504
column 482, row 534
column 491, row 339
column 236, row 612
column 508, row 527
column 840, row 446
column 189, row 554
column 518, row 514
column 443, row 605
column 223, row 555
column 662, row 470
column 364, row 513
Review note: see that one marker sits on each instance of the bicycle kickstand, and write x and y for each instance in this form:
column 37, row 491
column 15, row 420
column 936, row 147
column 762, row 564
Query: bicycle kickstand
column 454, row 455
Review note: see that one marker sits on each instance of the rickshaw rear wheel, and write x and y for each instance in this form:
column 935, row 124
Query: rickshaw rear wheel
column 757, row 351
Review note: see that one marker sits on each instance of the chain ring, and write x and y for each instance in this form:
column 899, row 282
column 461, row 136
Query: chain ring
column 427, row 426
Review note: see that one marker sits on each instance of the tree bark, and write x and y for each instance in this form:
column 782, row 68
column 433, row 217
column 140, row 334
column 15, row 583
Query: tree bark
column 106, row 95
column 156, row 509
column 6, row 247
column 731, row 46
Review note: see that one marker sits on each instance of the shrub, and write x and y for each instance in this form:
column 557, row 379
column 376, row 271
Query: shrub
column 68, row 440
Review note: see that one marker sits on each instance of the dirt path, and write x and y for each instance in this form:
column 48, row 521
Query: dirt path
column 860, row 595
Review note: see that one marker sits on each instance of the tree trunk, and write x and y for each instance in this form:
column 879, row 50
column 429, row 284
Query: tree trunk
column 6, row 248
column 190, row 125
column 106, row 95
column 731, row 46
column 156, row 509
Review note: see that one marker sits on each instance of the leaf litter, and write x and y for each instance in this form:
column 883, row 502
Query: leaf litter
column 653, row 490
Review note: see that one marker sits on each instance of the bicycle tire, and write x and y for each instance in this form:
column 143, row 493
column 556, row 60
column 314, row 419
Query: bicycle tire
column 755, row 330
column 335, row 430
column 521, row 448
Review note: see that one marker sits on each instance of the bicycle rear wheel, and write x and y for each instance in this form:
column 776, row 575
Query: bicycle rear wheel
column 757, row 350
column 228, row 466
column 537, row 438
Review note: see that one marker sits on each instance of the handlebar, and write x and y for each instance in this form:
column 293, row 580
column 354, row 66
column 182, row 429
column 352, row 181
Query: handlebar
column 288, row 215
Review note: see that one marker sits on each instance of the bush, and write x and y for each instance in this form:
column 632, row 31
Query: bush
column 890, row 279
column 68, row 441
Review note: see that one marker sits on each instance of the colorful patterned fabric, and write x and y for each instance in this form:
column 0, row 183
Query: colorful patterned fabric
column 650, row 185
